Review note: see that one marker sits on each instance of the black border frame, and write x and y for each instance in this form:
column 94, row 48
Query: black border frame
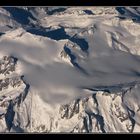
column 70, row 2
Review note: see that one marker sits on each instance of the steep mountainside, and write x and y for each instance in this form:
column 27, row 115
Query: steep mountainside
column 70, row 69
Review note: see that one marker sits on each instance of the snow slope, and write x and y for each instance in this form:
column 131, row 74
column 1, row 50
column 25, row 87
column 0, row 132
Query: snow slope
column 80, row 66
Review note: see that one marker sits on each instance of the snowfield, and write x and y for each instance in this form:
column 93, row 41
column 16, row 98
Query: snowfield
column 77, row 69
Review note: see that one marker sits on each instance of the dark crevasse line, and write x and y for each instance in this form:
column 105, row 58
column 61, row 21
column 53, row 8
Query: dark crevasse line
column 131, row 113
column 73, row 59
column 9, row 116
column 136, row 73
column 26, row 90
column 53, row 11
column 121, row 10
column 99, row 88
column 95, row 99
column 89, row 12
column 85, row 124
column 97, row 116
column 112, row 88
column 1, row 33
column 125, row 13
column 99, row 119
column 114, row 41
column 81, row 42
column 17, row 129
column 90, row 127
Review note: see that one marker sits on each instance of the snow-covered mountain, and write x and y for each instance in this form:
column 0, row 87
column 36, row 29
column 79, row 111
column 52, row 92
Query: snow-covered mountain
column 70, row 69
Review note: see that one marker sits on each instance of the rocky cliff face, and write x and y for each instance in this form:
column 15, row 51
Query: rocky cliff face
column 104, row 111
column 13, row 91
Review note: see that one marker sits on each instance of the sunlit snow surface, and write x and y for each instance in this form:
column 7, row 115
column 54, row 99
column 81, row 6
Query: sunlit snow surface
column 98, row 65
column 106, row 53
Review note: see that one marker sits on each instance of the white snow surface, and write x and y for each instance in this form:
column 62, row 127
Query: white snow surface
column 111, row 58
column 77, row 69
